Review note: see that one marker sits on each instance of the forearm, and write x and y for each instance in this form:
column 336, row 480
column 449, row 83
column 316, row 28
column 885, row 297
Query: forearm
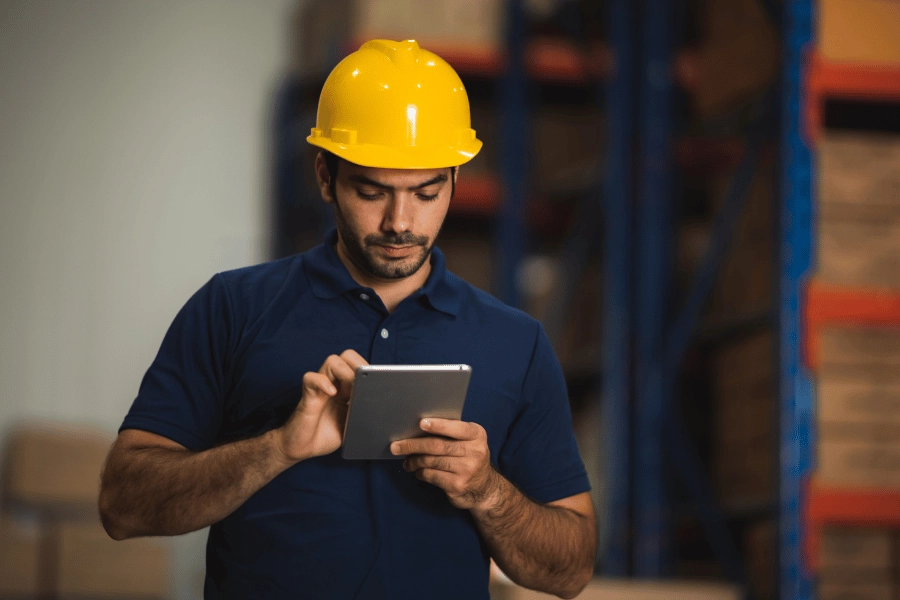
column 167, row 491
column 547, row 548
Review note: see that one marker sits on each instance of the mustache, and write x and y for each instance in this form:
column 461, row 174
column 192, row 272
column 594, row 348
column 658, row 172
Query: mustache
column 401, row 239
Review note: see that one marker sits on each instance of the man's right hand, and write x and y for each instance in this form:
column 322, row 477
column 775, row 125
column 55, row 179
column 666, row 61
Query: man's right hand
column 316, row 427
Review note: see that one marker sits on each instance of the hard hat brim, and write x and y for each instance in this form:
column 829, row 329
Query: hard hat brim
column 410, row 157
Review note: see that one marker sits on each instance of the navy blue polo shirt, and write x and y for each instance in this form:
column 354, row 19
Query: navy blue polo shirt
column 231, row 366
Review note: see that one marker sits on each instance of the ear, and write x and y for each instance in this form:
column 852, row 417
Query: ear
column 323, row 178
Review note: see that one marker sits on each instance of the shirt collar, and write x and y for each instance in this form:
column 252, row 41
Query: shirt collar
column 329, row 278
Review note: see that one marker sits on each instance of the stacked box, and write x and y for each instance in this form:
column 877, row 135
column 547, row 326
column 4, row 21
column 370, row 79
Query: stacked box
column 326, row 29
column 856, row 564
column 20, row 545
column 739, row 58
column 760, row 557
column 53, row 472
column 859, row 210
column 859, row 31
column 745, row 434
column 91, row 565
column 859, row 407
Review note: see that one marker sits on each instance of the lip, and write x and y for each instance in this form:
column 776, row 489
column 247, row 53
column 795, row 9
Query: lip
column 396, row 251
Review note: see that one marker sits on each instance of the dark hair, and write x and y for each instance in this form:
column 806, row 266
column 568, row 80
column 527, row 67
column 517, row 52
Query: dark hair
column 331, row 164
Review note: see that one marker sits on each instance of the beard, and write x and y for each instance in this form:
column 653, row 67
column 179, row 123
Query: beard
column 361, row 253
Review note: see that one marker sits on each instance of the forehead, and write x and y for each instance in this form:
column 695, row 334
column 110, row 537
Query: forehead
column 400, row 178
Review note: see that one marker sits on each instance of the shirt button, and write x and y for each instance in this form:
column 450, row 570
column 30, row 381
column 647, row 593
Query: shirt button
column 364, row 296
column 384, row 333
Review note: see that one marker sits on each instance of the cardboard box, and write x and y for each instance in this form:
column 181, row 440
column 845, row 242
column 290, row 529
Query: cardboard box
column 858, row 463
column 613, row 589
column 20, row 558
column 326, row 29
column 746, row 283
column 853, row 550
column 567, row 145
column 859, row 250
column 56, row 467
column 760, row 552
column 878, row 590
column 745, row 419
column 739, row 58
column 470, row 257
column 91, row 565
column 858, row 397
column 874, row 432
column 851, row 349
column 745, row 479
column 859, row 30
column 861, row 171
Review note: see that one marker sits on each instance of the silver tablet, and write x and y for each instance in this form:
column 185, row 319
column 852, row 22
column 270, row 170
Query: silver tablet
column 388, row 401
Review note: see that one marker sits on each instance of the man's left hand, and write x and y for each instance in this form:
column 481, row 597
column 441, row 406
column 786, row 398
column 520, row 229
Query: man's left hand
column 456, row 458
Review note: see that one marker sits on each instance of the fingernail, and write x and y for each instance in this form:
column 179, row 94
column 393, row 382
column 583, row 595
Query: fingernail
column 332, row 390
column 426, row 423
column 395, row 448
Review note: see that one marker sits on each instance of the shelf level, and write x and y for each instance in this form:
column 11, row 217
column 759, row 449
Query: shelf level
column 547, row 60
column 846, row 80
column 828, row 304
column 828, row 505
column 476, row 195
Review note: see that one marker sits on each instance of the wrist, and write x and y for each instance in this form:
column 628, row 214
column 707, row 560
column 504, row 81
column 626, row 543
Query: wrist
column 492, row 495
column 277, row 444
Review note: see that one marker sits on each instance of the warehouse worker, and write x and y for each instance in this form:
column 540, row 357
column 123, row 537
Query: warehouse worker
column 238, row 421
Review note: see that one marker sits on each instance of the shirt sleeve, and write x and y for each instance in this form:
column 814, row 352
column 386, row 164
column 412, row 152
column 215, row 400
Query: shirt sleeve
column 540, row 455
column 181, row 396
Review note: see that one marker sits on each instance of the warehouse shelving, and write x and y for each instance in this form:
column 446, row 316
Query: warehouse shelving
column 829, row 304
column 827, row 79
column 546, row 59
column 477, row 195
column 808, row 305
column 854, row 506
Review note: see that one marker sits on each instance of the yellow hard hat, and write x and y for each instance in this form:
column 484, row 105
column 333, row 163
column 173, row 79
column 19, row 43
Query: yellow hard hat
column 397, row 106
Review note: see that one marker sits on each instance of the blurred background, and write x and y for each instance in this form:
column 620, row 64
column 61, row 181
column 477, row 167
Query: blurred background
column 700, row 200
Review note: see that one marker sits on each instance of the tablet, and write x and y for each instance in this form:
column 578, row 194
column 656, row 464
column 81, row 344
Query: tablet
column 388, row 401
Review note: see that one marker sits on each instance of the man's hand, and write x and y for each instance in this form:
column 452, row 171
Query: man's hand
column 316, row 427
column 456, row 459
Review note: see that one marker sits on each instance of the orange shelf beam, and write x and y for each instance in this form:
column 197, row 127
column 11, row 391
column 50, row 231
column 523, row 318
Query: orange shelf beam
column 477, row 195
column 869, row 507
column 828, row 304
column 846, row 80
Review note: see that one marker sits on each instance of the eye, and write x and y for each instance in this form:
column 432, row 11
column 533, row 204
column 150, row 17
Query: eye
column 427, row 197
column 365, row 196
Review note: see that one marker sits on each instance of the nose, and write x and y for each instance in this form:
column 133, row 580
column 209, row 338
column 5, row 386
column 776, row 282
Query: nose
column 398, row 214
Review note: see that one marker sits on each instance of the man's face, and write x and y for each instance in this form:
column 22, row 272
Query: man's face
column 388, row 219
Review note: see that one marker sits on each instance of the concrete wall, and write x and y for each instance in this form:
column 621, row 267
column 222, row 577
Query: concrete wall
column 133, row 165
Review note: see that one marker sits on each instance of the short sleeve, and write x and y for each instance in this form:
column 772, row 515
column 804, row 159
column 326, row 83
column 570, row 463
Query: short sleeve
column 181, row 396
column 540, row 455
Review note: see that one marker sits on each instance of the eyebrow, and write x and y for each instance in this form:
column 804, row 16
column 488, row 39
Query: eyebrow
column 367, row 181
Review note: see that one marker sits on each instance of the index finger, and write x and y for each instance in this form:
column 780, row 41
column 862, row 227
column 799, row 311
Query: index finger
column 451, row 428
column 353, row 358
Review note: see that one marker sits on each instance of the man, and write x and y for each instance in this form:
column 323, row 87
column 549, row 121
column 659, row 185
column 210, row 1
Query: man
column 217, row 437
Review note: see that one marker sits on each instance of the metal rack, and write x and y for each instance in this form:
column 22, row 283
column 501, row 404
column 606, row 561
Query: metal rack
column 796, row 390
column 636, row 243
column 807, row 305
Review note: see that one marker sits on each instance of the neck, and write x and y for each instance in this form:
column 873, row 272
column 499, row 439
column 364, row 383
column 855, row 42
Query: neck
column 391, row 291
